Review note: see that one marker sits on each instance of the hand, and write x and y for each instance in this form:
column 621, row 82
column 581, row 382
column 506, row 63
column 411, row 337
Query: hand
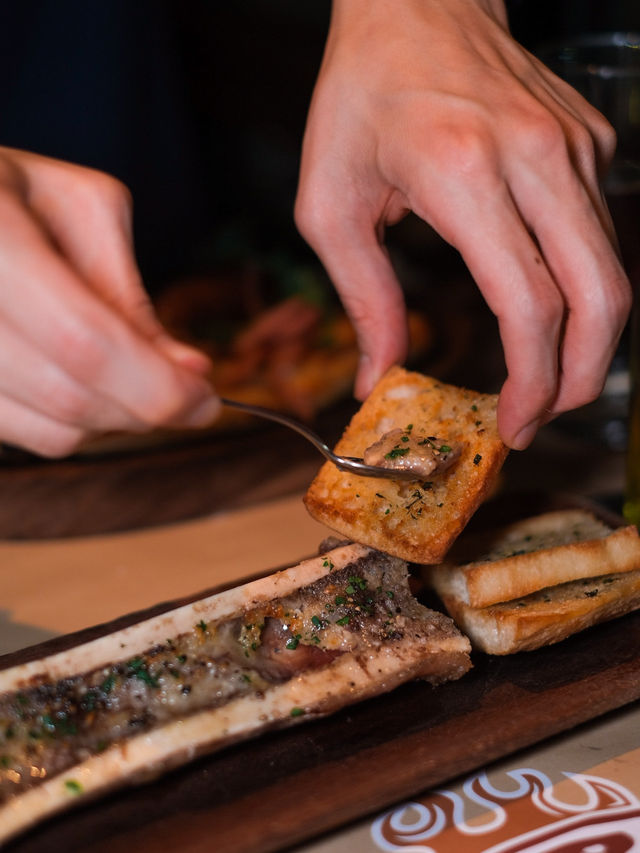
column 80, row 349
column 430, row 106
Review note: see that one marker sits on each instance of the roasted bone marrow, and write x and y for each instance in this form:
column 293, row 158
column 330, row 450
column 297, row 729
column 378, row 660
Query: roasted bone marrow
column 300, row 643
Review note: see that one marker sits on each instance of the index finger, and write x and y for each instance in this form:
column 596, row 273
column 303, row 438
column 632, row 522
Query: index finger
column 371, row 294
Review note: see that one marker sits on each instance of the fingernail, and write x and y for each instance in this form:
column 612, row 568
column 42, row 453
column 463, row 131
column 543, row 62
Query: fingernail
column 526, row 435
column 204, row 414
column 364, row 379
column 185, row 355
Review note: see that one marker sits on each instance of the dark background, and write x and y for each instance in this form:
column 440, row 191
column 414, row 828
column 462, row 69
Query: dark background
column 198, row 107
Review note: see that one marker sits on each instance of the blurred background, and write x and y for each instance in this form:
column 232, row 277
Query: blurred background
column 199, row 107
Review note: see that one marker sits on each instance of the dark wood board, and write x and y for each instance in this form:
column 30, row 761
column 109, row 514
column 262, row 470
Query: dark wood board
column 286, row 787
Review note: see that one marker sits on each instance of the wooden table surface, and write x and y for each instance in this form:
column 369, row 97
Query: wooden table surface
column 90, row 539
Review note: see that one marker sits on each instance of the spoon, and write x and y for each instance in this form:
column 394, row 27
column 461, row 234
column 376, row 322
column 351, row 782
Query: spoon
column 351, row 464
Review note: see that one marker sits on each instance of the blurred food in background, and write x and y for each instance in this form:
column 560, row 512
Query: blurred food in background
column 276, row 334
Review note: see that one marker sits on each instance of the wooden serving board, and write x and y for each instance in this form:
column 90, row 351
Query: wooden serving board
column 285, row 787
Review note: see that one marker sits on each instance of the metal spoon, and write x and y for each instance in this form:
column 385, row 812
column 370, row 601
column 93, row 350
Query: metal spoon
column 352, row 464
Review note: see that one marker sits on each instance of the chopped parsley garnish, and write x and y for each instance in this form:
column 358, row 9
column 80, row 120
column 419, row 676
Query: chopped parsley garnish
column 292, row 642
column 327, row 564
column 343, row 621
column 88, row 702
column 340, row 599
column 48, row 724
column 315, row 620
column 297, row 712
column 396, row 451
column 73, row 787
column 201, row 625
column 137, row 668
column 445, row 449
column 107, row 684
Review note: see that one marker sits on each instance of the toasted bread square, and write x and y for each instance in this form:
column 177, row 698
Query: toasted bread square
column 532, row 554
column 415, row 521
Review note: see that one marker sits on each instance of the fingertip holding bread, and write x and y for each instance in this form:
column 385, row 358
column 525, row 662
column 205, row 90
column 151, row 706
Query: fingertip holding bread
column 415, row 521
column 539, row 580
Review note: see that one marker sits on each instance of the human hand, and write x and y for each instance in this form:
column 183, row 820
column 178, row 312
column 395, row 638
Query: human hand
column 81, row 352
column 432, row 107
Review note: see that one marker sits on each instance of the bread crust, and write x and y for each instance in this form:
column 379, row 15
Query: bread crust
column 591, row 548
column 548, row 616
column 415, row 521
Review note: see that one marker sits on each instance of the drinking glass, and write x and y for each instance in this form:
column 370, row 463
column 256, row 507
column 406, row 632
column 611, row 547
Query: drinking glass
column 605, row 69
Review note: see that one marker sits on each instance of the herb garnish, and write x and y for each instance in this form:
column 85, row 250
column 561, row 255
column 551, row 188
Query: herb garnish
column 137, row 668
column 107, row 684
column 396, row 451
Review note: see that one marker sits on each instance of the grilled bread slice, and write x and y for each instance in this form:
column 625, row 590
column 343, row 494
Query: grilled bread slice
column 529, row 555
column 415, row 521
column 539, row 580
column 547, row 616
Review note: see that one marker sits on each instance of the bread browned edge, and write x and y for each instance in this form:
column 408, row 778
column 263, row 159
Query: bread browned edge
column 466, row 484
column 481, row 584
column 538, row 620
